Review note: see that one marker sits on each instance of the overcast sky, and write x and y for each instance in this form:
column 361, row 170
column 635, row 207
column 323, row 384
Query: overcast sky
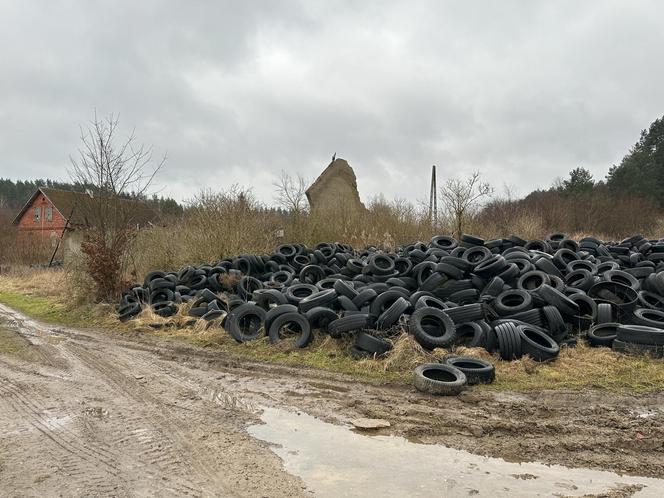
column 236, row 91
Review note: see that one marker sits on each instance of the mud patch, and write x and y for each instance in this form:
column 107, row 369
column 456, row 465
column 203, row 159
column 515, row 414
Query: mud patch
column 12, row 343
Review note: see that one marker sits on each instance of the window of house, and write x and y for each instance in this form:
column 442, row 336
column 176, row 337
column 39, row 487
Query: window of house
column 48, row 213
column 37, row 214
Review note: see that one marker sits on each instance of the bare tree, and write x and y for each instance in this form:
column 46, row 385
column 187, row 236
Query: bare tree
column 291, row 192
column 462, row 197
column 116, row 173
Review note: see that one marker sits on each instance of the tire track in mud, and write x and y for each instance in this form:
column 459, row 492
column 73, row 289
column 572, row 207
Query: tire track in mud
column 158, row 456
column 53, row 429
column 167, row 426
column 163, row 444
column 94, row 468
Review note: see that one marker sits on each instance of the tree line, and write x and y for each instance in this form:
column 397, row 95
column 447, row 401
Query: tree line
column 14, row 195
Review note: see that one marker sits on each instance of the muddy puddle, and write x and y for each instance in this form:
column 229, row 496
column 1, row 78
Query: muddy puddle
column 335, row 461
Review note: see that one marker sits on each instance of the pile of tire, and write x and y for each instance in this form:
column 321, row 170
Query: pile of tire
column 511, row 296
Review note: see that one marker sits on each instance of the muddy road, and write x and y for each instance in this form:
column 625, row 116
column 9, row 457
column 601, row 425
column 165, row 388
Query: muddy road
column 97, row 413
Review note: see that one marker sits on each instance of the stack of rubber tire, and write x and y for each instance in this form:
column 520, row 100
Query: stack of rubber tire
column 510, row 296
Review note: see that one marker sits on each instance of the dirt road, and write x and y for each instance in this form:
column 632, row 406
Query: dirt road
column 96, row 413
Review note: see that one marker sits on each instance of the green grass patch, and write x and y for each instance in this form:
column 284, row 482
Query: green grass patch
column 42, row 308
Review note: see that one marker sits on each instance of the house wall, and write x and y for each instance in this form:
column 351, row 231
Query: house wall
column 42, row 228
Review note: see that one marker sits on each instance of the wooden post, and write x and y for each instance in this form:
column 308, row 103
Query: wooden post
column 433, row 199
column 62, row 236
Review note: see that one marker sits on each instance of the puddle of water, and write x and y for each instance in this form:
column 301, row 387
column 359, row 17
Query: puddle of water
column 335, row 461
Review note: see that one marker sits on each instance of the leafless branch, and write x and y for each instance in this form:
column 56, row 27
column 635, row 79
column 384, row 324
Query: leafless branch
column 462, row 196
column 290, row 193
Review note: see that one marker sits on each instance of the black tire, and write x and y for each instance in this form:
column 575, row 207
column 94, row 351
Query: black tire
column 512, row 301
column 546, row 265
column 449, row 270
column 491, row 340
column 346, row 304
column 476, row 255
column 622, row 296
column 385, row 300
column 604, row 313
column 266, row 298
column 493, row 288
column 536, row 344
column 641, row 334
column 563, row 257
column 345, row 289
column 430, row 301
column 510, row 274
column 392, row 314
column 444, row 242
column 490, row 267
column 554, row 297
column 432, row 328
column 436, row 378
column 554, row 323
column 476, row 370
column 246, row 322
column 433, row 282
column 322, row 298
column 415, row 296
column 472, row 334
column 297, row 292
column 587, row 311
column 247, row 286
column 509, row 341
column 129, row 311
column 467, row 313
column 198, row 311
column 271, row 315
column 348, row 324
column 602, row 334
column 371, row 344
column 364, row 297
column 311, row 274
column 649, row 318
column 471, row 240
column 533, row 280
column 304, row 335
column 638, row 349
column 380, row 264
column 580, row 279
column 214, row 315
column 165, row 308
column 466, row 296
column 621, row 277
column 531, row 317
column 651, row 300
column 320, row 318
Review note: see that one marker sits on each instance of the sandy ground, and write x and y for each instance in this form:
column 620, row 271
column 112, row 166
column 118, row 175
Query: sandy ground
column 95, row 413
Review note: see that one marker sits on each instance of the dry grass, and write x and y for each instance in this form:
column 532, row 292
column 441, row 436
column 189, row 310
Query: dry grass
column 44, row 283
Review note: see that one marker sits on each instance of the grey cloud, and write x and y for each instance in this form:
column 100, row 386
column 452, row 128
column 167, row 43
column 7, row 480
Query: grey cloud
column 234, row 92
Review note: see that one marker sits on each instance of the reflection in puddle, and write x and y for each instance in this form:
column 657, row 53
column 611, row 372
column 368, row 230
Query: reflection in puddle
column 335, row 461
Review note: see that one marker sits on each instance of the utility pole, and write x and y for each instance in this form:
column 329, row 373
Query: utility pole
column 433, row 199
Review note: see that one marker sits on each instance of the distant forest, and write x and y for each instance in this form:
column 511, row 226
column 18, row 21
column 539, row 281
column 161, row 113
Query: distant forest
column 14, row 195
